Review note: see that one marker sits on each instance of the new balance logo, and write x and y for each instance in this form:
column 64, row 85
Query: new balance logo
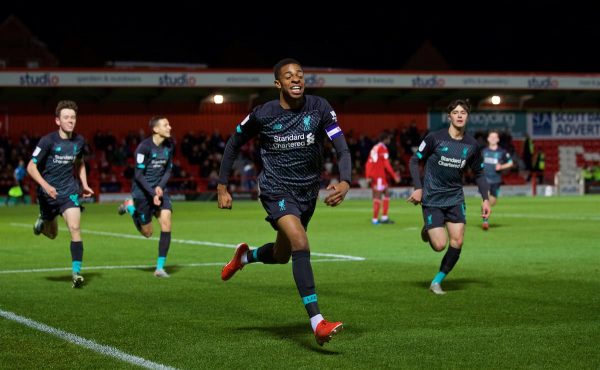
column 277, row 126
column 444, row 149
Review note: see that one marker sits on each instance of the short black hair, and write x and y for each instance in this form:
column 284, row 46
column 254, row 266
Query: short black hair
column 154, row 121
column 281, row 63
column 462, row 102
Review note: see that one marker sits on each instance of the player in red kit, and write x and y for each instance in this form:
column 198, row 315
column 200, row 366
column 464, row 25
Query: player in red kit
column 377, row 166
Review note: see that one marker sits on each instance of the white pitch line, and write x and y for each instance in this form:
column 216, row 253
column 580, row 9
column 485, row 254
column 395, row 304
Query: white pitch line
column 187, row 241
column 86, row 268
column 561, row 217
column 51, row 269
column 86, row 343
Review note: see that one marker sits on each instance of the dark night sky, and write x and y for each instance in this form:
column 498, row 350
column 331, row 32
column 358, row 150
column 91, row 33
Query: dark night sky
column 512, row 37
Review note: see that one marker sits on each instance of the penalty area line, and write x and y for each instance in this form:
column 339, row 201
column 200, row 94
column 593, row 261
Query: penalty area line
column 82, row 342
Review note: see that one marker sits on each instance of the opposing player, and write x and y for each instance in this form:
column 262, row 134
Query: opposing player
column 377, row 169
column 154, row 160
column 54, row 161
column 446, row 154
column 292, row 131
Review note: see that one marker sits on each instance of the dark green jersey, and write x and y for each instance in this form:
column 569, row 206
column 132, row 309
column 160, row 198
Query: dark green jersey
column 55, row 159
column 153, row 165
column 445, row 161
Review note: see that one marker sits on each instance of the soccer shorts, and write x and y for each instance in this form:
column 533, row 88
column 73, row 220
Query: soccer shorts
column 438, row 216
column 50, row 208
column 379, row 183
column 495, row 189
column 279, row 206
column 146, row 208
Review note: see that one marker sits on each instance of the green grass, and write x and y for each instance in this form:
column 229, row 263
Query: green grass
column 524, row 294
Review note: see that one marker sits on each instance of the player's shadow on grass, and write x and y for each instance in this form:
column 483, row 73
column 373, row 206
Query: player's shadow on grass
column 454, row 284
column 89, row 277
column 494, row 225
column 299, row 333
column 169, row 269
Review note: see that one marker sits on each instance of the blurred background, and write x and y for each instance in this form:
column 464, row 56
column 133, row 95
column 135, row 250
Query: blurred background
column 529, row 69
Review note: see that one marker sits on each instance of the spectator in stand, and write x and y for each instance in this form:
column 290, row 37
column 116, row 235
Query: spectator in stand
column 19, row 175
column 528, row 153
column 540, row 165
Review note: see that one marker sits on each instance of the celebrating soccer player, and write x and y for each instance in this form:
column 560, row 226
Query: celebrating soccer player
column 52, row 166
column 154, row 160
column 292, row 131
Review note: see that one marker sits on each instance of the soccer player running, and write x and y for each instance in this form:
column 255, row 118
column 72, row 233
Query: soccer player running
column 495, row 160
column 292, row 131
column 375, row 171
column 55, row 160
column 446, row 153
column 154, row 160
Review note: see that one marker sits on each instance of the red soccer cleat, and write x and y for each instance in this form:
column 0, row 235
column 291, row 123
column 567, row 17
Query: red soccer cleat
column 325, row 330
column 236, row 262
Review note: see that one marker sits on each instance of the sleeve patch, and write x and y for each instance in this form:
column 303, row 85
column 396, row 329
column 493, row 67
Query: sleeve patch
column 422, row 146
column 140, row 158
column 36, row 151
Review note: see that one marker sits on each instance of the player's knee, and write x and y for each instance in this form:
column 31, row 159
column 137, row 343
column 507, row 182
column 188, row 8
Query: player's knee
column 456, row 243
column 437, row 245
column 146, row 233
column 300, row 245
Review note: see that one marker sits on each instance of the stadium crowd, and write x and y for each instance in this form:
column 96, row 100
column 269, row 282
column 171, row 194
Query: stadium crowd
column 198, row 155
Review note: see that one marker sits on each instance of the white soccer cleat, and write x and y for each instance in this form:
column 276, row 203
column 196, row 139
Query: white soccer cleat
column 436, row 288
column 161, row 273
